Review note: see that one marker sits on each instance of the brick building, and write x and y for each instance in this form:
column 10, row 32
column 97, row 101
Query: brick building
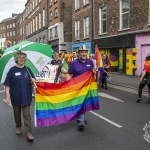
column 8, row 31
column 122, row 30
column 35, row 16
column 82, row 24
column 60, row 25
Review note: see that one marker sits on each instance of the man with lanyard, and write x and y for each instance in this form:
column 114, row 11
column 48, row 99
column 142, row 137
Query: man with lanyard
column 56, row 60
column 79, row 66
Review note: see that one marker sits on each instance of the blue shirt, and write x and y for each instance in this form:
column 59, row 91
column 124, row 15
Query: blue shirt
column 18, row 79
column 78, row 67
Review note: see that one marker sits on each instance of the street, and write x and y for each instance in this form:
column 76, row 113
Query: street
column 118, row 125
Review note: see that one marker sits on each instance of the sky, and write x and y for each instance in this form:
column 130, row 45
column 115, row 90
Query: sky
column 11, row 6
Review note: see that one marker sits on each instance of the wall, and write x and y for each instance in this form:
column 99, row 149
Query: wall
column 143, row 46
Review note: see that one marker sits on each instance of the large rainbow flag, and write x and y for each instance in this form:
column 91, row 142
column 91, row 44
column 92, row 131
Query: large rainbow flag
column 98, row 58
column 61, row 103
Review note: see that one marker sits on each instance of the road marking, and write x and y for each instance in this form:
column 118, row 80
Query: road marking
column 146, row 94
column 110, row 97
column 109, row 121
column 2, row 91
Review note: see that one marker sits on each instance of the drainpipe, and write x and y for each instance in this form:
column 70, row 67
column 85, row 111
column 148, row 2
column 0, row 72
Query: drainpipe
column 92, row 41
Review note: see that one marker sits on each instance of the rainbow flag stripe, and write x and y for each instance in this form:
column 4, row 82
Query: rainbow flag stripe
column 61, row 103
column 98, row 58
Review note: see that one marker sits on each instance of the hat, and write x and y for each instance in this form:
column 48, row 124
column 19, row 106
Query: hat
column 82, row 48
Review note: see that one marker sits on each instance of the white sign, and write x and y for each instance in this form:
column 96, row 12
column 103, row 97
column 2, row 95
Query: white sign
column 48, row 74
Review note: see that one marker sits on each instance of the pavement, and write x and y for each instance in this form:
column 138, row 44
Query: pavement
column 125, row 80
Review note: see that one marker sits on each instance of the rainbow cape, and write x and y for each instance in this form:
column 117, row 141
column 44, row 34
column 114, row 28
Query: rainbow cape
column 98, row 58
column 61, row 103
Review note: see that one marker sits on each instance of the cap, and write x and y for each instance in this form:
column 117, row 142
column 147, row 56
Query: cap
column 82, row 48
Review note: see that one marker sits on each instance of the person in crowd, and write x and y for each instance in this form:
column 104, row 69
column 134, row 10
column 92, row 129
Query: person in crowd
column 64, row 69
column 104, row 71
column 94, row 62
column 18, row 88
column 77, row 67
column 74, row 55
column 145, row 79
column 56, row 60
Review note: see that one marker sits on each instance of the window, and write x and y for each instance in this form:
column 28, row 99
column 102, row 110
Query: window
column 86, row 2
column 7, row 34
column 77, row 30
column 33, row 26
column 51, row 33
column 102, row 20
column 36, row 24
column 3, row 27
column 10, row 33
column 50, row 2
column 33, row 4
column 56, row 31
column 149, row 13
column 39, row 1
column 51, row 16
column 10, row 25
column 86, row 27
column 36, row 2
column 43, row 17
column 77, row 4
column 4, row 35
column 55, row 1
column 13, row 25
column 56, row 12
column 39, row 20
column 124, row 14
column 7, row 26
column 14, row 33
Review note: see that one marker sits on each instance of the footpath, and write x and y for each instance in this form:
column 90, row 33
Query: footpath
column 125, row 81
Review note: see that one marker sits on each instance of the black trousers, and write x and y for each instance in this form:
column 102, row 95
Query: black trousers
column 141, row 86
column 104, row 81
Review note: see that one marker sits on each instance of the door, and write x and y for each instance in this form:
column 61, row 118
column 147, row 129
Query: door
column 145, row 51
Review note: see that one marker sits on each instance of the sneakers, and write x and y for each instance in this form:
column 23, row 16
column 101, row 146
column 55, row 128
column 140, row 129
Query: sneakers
column 30, row 137
column 81, row 126
column 138, row 100
column 18, row 131
column 148, row 102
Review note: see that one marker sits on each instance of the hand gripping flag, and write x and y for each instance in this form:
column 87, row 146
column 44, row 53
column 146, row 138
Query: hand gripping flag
column 61, row 103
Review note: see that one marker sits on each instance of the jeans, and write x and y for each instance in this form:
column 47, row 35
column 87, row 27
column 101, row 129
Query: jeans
column 81, row 120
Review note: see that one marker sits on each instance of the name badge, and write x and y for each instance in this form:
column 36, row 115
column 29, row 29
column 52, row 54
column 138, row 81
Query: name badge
column 88, row 65
column 17, row 74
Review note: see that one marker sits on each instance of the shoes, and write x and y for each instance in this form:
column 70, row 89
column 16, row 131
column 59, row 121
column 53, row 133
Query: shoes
column 18, row 131
column 81, row 126
column 148, row 102
column 102, row 86
column 30, row 137
column 138, row 100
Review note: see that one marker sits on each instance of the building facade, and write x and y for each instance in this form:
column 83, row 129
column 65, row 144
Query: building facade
column 82, row 24
column 60, row 25
column 8, row 32
column 121, row 28
column 35, row 16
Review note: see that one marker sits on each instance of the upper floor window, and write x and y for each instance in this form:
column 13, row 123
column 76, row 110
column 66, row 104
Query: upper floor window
column 77, row 30
column 124, row 14
column 149, row 13
column 56, row 12
column 51, row 16
column 85, row 2
column 39, row 20
column 7, row 26
column 86, row 27
column 50, row 2
column 77, row 4
column 36, row 2
column 51, row 33
column 102, row 20
column 43, row 17
column 33, row 4
column 56, row 31
column 14, row 33
column 10, row 25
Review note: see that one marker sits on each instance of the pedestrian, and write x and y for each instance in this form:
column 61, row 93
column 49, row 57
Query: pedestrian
column 74, row 55
column 104, row 72
column 18, row 88
column 94, row 62
column 64, row 69
column 145, row 79
column 77, row 67
column 56, row 60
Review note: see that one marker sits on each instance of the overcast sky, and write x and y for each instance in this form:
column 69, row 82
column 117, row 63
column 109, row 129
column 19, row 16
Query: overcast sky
column 10, row 6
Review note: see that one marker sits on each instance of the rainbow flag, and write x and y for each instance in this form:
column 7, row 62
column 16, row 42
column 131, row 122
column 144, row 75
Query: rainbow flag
column 98, row 58
column 61, row 103
column 62, row 55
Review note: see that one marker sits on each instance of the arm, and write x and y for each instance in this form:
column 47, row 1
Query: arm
column 7, row 99
column 69, row 76
column 143, row 74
